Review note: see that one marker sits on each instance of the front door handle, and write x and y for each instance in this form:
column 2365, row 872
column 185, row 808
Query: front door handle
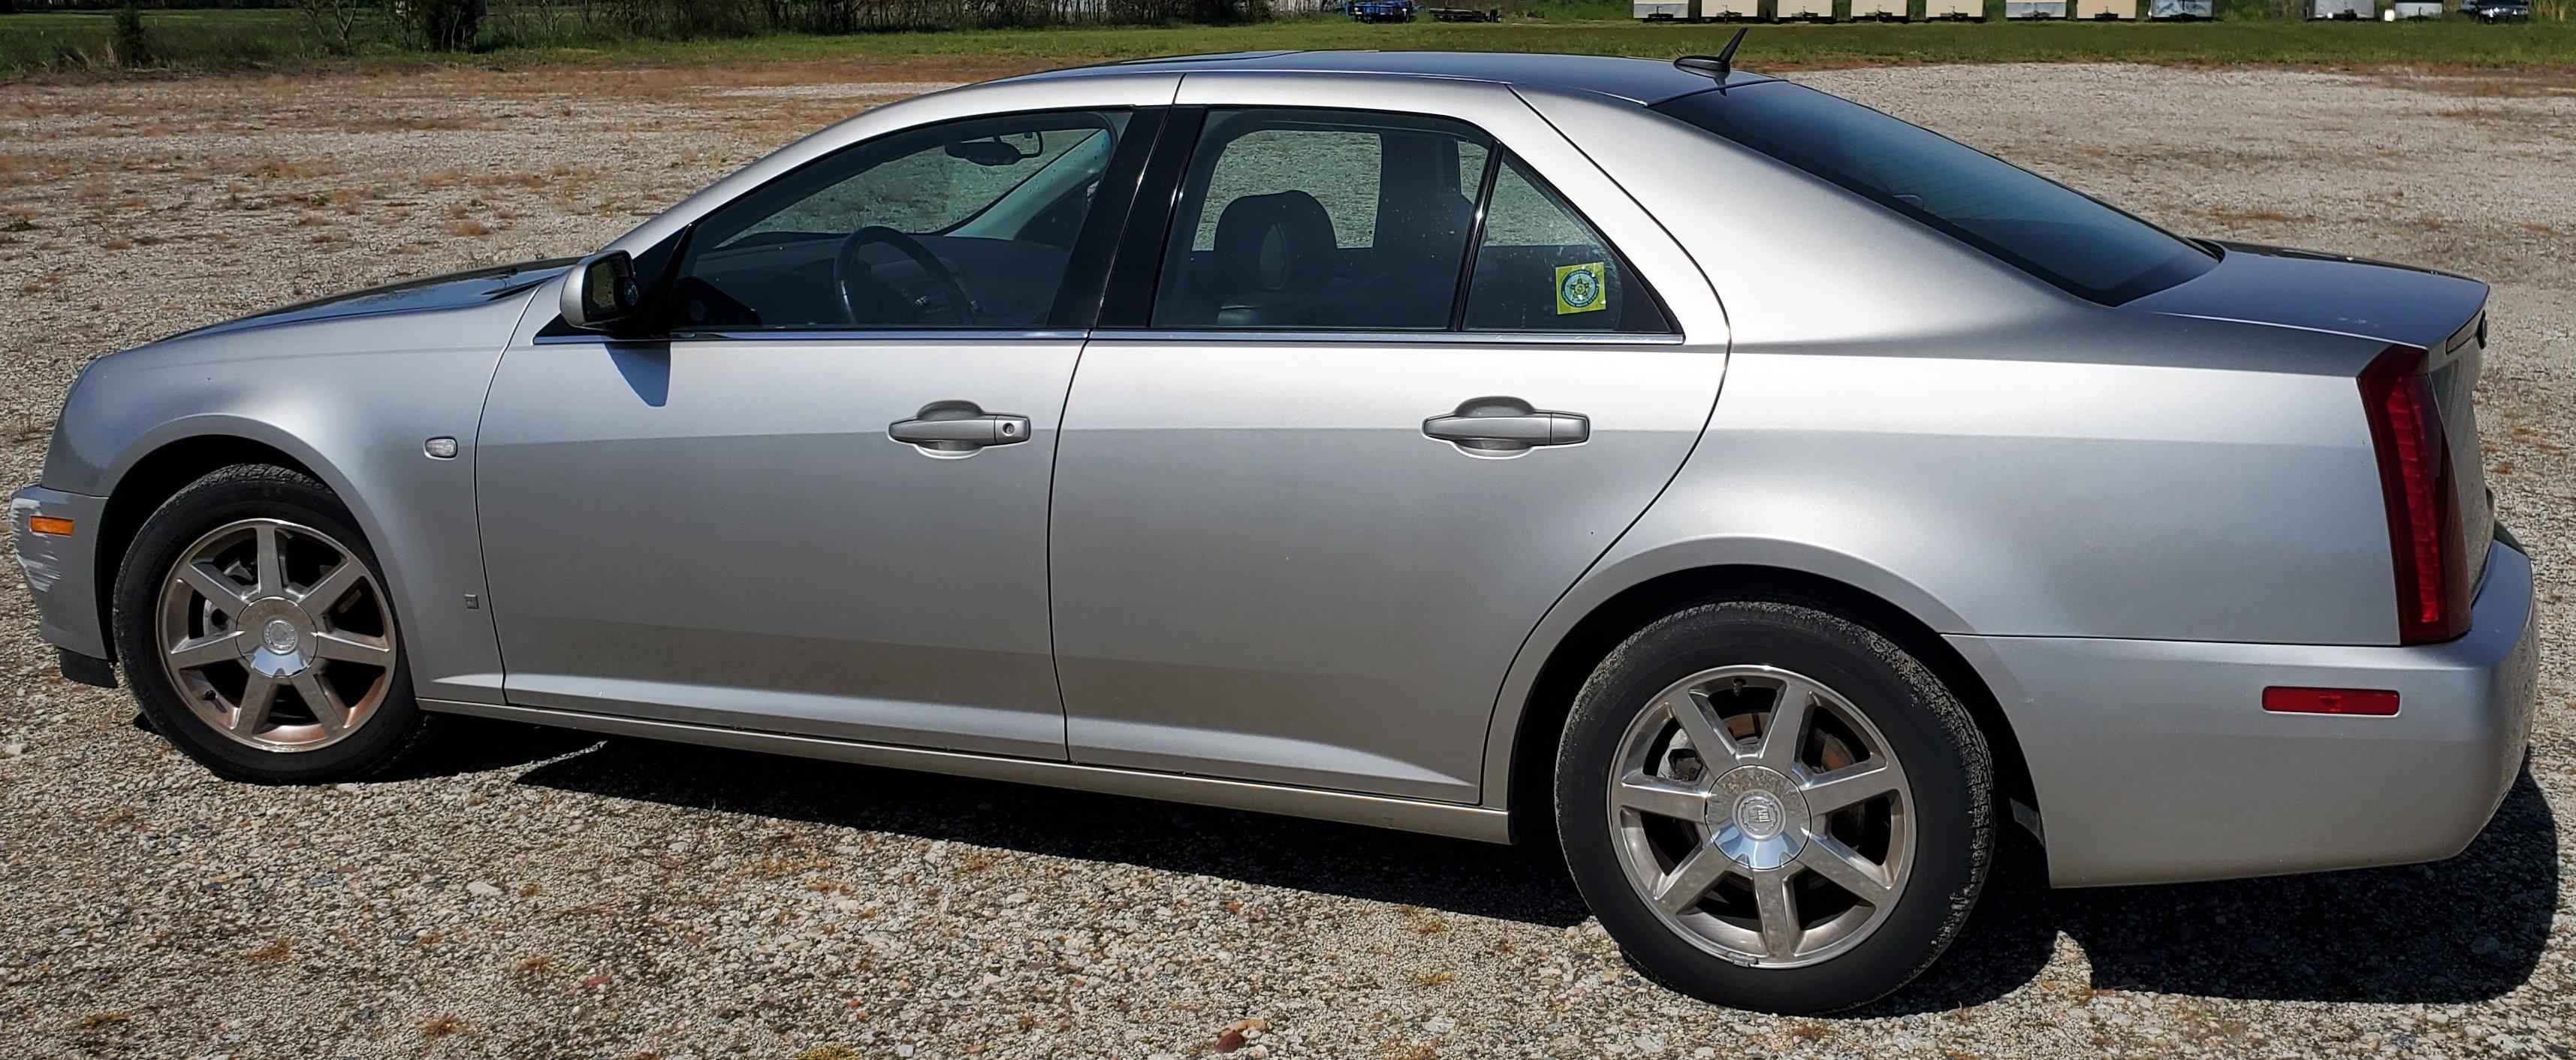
column 958, row 428
column 1507, row 425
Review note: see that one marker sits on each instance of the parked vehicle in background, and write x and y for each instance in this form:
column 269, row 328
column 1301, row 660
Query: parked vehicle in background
column 2347, row 10
column 2497, row 10
column 1384, row 10
column 2181, row 10
column 1409, row 439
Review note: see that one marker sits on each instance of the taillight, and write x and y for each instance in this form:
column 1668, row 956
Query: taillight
column 2424, row 533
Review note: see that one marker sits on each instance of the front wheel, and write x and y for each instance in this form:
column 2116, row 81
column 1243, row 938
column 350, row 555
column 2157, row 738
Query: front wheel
column 1773, row 807
column 258, row 636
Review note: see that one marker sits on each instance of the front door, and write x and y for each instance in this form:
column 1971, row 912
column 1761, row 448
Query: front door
column 819, row 505
column 1305, row 518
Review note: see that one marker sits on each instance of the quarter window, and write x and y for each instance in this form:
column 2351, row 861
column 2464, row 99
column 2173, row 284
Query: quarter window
column 966, row 224
column 1539, row 267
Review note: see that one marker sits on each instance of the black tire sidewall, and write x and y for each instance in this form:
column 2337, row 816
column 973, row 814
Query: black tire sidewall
column 226, row 496
column 1946, row 767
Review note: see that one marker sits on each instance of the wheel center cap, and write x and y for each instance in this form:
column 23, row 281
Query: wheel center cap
column 280, row 636
column 1759, row 816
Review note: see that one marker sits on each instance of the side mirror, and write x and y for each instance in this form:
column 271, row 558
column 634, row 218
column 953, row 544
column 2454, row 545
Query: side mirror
column 601, row 290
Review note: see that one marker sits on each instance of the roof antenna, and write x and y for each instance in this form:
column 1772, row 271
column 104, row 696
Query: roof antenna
column 1717, row 66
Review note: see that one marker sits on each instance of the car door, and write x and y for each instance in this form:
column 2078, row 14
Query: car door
column 815, row 500
column 1311, row 501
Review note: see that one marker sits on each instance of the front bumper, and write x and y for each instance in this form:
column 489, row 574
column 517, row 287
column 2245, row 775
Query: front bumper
column 2154, row 762
column 62, row 571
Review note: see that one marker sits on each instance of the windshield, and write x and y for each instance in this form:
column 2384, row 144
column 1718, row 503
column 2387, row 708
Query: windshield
column 2035, row 224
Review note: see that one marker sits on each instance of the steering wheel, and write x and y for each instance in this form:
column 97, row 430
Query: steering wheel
column 859, row 286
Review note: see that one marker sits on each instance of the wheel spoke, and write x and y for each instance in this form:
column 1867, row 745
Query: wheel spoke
column 1698, row 719
column 256, row 696
column 1840, row 865
column 215, row 587
column 1779, row 910
column 332, row 587
column 1848, row 786
column 207, row 650
column 350, row 647
column 271, row 566
column 1663, row 798
column 326, row 707
column 1681, row 888
column 1787, row 727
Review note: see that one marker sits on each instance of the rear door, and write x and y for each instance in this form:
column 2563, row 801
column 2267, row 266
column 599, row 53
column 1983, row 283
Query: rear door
column 1310, row 500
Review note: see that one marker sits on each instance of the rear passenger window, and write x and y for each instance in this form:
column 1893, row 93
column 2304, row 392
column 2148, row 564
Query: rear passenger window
column 1322, row 220
column 1325, row 220
column 1539, row 267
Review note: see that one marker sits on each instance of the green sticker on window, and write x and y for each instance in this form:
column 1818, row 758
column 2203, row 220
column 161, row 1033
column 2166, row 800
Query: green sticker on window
column 1581, row 288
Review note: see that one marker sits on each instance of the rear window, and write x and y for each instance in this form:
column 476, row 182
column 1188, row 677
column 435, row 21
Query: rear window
column 2069, row 239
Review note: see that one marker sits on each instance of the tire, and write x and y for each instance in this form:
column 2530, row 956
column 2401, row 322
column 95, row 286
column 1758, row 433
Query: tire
column 1737, row 849
column 348, row 644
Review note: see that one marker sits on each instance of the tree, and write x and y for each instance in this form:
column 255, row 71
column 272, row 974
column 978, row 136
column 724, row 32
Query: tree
column 335, row 22
column 132, row 47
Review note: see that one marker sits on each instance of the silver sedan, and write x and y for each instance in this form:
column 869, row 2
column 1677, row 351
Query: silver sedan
column 1764, row 500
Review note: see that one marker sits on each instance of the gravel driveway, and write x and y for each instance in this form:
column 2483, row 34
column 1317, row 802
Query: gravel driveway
column 528, row 894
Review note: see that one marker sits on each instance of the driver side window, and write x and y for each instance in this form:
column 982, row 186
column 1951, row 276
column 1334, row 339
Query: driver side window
column 966, row 224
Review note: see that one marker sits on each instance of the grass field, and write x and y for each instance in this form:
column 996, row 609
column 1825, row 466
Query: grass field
column 31, row 43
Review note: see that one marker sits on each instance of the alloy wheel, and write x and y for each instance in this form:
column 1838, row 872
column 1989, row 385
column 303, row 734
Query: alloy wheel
column 1761, row 816
column 276, row 635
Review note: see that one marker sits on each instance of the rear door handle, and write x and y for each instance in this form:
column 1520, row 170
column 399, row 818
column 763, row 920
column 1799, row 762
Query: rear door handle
column 958, row 428
column 1507, row 425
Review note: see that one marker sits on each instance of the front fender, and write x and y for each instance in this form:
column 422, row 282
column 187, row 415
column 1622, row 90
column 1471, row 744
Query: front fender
column 353, row 401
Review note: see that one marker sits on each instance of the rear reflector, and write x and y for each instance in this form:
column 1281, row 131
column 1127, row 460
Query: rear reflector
column 2424, row 533
column 2373, row 701
column 49, row 525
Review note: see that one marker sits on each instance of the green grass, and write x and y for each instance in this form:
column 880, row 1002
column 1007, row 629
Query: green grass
column 210, row 39
column 277, row 40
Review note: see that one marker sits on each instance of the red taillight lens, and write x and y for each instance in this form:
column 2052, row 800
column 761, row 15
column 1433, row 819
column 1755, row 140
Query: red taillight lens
column 2373, row 701
column 2424, row 533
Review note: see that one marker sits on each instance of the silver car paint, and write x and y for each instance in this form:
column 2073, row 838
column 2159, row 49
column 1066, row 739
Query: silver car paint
column 1899, row 413
column 721, row 531
column 352, row 399
column 1240, row 591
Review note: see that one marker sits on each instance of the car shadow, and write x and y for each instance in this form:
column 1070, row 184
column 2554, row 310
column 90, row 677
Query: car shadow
column 2469, row 928
column 2466, row 929
column 1453, row 875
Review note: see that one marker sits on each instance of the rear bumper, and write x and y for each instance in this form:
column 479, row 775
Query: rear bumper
column 2154, row 761
column 62, row 571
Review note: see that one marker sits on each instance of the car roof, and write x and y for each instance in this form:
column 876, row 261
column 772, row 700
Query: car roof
column 1645, row 81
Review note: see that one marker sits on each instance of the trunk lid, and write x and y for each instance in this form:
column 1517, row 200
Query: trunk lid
column 2442, row 314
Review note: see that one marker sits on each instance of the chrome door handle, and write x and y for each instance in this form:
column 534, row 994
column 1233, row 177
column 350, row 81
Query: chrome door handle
column 1507, row 425
column 952, row 428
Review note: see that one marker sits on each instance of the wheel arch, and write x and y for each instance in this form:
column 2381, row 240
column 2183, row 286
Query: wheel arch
column 160, row 469
column 1533, row 721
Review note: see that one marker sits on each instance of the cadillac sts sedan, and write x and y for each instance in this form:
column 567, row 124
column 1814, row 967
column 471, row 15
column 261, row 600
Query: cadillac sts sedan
column 1757, row 497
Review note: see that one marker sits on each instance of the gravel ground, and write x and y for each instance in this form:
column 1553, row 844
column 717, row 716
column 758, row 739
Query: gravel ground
column 531, row 894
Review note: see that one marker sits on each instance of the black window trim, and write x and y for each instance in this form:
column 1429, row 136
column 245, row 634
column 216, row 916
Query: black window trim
column 1128, row 304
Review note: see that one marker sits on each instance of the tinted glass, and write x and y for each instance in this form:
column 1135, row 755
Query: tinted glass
column 963, row 225
column 2029, row 221
column 1540, row 267
column 1321, row 220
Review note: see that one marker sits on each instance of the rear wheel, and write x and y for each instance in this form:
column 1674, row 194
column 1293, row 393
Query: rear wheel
column 1773, row 807
column 257, row 635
